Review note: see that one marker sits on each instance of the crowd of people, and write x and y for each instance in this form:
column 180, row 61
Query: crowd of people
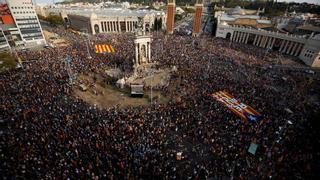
column 49, row 133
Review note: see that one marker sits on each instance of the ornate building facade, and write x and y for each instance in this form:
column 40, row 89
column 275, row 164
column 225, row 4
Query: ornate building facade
column 306, row 48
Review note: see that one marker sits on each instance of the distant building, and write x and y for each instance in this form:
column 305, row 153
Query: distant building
column 42, row 11
column 4, row 45
column 307, row 48
column 108, row 20
column 308, row 29
column 8, row 27
column 238, row 16
column 22, row 27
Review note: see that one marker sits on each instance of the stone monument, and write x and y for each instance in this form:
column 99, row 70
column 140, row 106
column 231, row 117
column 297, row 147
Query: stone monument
column 142, row 45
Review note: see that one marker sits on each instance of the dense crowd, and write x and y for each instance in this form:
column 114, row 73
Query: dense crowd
column 49, row 133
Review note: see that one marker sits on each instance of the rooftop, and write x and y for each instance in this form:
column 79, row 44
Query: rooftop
column 110, row 12
column 309, row 28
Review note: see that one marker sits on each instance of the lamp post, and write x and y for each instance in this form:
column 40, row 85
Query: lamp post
column 151, row 73
column 86, row 33
column 68, row 60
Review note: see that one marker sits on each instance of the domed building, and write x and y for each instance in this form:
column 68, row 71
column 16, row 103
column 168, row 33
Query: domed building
column 242, row 17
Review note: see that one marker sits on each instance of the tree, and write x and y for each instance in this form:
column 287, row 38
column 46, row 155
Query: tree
column 214, row 26
column 8, row 62
column 157, row 25
column 177, row 17
column 55, row 20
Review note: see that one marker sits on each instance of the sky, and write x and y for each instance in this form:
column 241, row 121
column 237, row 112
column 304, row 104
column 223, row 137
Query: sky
column 50, row 1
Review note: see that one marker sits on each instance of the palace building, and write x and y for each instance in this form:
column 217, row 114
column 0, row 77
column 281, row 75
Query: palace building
column 110, row 20
column 305, row 47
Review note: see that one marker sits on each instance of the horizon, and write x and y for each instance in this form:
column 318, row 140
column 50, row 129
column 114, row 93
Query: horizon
column 297, row 1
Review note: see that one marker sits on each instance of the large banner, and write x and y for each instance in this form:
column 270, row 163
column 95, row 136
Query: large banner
column 240, row 109
column 104, row 48
column 5, row 15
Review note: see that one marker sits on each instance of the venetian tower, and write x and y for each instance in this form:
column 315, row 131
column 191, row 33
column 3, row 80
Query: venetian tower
column 197, row 19
column 170, row 16
column 142, row 44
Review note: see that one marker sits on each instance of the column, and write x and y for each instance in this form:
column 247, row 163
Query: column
column 105, row 26
column 238, row 37
column 234, row 35
column 281, row 46
column 298, row 49
column 129, row 24
column 111, row 27
column 242, row 37
column 119, row 25
column 265, row 41
column 125, row 22
column 294, row 49
column 137, row 54
column 269, row 42
column 102, row 29
column 246, row 41
column 261, row 41
column 255, row 39
column 274, row 40
column 231, row 36
column 149, row 52
column 285, row 47
column 132, row 25
column 290, row 47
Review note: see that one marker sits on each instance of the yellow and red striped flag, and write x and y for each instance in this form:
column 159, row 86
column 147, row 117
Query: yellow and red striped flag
column 104, row 48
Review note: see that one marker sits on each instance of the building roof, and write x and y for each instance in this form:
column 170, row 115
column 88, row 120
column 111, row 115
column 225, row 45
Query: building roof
column 263, row 21
column 226, row 17
column 309, row 28
column 110, row 12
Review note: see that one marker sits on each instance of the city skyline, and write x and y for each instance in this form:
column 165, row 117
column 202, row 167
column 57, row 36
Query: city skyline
column 299, row 1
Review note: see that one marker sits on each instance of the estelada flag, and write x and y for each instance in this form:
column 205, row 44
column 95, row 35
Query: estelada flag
column 104, row 48
column 242, row 110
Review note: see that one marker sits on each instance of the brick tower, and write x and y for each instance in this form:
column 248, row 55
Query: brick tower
column 170, row 16
column 197, row 19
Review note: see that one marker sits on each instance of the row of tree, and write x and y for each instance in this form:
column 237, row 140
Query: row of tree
column 54, row 20
column 272, row 6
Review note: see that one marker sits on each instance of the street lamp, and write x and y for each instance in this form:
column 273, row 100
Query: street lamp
column 151, row 73
column 86, row 33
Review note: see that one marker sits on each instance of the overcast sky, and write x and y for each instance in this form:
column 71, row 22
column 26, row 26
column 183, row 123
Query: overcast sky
column 50, row 1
